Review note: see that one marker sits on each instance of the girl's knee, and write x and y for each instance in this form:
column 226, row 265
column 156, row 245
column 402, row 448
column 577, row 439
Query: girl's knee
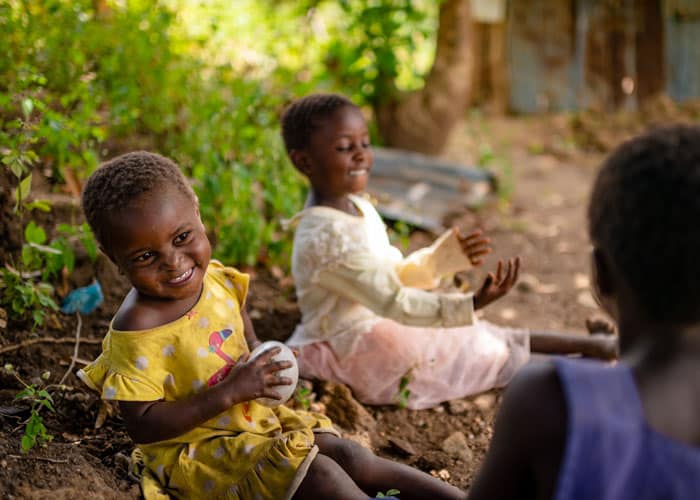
column 350, row 455
column 324, row 478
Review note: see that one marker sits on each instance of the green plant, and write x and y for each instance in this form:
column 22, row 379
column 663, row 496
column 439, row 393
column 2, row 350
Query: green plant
column 38, row 397
column 378, row 48
column 501, row 165
column 26, row 298
column 21, row 294
column 401, row 234
column 303, row 397
column 389, row 493
column 404, row 391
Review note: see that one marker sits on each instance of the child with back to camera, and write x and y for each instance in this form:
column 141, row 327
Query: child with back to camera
column 630, row 431
column 176, row 358
column 364, row 321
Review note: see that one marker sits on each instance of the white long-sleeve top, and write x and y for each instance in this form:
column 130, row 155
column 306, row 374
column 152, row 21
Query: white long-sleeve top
column 347, row 279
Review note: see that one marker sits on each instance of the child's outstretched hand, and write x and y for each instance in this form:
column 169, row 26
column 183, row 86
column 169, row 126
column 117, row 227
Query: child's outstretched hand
column 495, row 287
column 474, row 245
column 253, row 379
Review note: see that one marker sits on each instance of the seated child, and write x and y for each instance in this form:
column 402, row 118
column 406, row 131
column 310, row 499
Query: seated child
column 176, row 360
column 629, row 431
column 364, row 322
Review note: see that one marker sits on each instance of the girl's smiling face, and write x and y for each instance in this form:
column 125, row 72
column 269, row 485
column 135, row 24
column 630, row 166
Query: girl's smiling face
column 338, row 158
column 160, row 244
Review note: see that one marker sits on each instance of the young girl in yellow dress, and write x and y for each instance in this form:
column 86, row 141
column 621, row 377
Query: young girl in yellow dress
column 176, row 359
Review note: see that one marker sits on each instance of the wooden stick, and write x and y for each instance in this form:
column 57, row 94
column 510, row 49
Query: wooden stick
column 45, row 459
column 46, row 340
column 75, row 349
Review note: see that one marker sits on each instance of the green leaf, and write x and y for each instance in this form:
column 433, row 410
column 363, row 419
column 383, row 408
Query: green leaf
column 45, row 394
column 90, row 247
column 42, row 205
column 48, row 404
column 9, row 159
column 27, row 442
column 66, row 229
column 29, row 257
column 38, row 316
column 27, row 107
column 26, row 392
column 34, row 234
column 25, row 186
column 16, row 168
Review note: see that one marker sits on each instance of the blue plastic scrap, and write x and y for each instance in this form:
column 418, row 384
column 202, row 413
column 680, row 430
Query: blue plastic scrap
column 84, row 299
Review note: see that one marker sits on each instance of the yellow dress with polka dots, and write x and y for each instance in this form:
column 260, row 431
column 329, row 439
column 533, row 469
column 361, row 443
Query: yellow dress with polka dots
column 249, row 451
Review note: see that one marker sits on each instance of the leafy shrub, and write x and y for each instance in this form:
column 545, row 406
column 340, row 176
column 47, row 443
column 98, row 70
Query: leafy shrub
column 123, row 74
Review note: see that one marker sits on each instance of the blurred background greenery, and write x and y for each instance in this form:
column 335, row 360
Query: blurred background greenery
column 202, row 82
column 205, row 82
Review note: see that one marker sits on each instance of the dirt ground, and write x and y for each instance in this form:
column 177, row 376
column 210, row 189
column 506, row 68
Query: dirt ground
column 544, row 223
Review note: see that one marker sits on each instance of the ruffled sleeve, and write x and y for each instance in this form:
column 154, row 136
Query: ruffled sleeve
column 118, row 381
column 232, row 279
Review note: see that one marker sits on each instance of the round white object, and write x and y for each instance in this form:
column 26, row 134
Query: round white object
column 286, row 354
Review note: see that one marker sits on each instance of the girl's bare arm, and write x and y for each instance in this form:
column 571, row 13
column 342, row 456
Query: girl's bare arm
column 248, row 330
column 151, row 421
column 525, row 453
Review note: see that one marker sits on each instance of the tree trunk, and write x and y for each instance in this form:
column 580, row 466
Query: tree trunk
column 422, row 120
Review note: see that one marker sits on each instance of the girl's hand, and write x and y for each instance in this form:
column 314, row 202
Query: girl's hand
column 252, row 379
column 497, row 286
column 600, row 324
column 474, row 245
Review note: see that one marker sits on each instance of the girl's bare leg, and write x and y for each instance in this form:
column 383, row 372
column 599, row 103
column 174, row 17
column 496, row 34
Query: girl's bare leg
column 598, row 345
column 327, row 479
column 374, row 474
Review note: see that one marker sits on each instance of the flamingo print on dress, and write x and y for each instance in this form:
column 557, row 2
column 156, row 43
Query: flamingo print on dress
column 216, row 340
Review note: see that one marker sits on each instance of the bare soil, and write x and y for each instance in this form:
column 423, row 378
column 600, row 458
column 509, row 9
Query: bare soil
column 543, row 222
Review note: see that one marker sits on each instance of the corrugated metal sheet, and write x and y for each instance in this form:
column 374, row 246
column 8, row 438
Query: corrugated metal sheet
column 682, row 25
column 422, row 190
column 573, row 54
column 541, row 48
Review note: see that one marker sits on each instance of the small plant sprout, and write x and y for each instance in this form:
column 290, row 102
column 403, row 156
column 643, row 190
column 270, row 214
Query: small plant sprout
column 303, row 397
column 389, row 493
column 38, row 397
column 404, row 391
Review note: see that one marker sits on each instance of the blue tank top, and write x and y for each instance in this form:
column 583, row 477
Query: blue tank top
column 611, row 453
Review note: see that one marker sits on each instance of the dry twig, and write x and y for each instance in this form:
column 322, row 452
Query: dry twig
column 46, row 340
column 45, row 459
column 75, row 350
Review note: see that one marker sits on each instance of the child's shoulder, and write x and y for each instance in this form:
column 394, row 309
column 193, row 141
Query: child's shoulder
column 537, row 390
column 534, row 410
column 135, row 315
column 529, row 435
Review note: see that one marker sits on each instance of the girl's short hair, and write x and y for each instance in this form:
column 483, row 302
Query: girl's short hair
column 644, row 213
column 301, row 118
column 122, row 180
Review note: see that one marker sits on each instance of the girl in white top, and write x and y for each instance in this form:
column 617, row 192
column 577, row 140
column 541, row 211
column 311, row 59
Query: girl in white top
column 366, row 322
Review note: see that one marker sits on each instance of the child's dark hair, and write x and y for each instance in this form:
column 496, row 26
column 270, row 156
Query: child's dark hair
column 645, row 213
column 301, row 118
column 120, row 181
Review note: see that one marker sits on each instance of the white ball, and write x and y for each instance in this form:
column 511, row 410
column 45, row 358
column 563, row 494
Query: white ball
column 286, row 354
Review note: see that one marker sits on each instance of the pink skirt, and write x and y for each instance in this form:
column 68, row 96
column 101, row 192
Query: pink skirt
column 439, row 364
